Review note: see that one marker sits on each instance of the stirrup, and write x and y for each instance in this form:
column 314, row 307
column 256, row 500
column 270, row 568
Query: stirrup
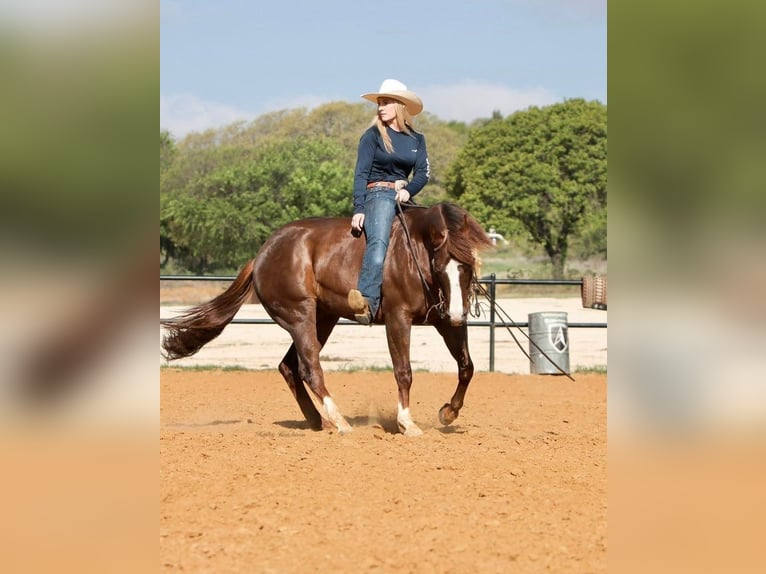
column 357, row 302
column 363, row 318
column 360, row 307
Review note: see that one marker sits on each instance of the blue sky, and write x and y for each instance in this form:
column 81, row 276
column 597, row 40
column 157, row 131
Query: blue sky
column 228, row 60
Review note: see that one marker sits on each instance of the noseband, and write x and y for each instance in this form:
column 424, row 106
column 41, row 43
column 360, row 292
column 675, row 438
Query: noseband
column 440, row 305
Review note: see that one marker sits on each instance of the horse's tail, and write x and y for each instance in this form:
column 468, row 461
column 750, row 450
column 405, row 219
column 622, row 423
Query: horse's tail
column 189, row 332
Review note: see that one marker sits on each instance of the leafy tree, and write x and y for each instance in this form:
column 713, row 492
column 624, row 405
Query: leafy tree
column 224, row 190
column 539, row 173
column 219, row 216
column 444, row 141
column 167, row 150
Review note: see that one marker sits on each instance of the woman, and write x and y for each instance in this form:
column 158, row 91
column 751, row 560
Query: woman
column 389, row 151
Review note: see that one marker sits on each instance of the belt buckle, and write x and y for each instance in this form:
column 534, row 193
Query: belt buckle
column 383, row 184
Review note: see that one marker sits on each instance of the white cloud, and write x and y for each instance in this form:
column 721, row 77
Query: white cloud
column 465, row 101
column 470, row 100
column 308, row 101
column 184, row 113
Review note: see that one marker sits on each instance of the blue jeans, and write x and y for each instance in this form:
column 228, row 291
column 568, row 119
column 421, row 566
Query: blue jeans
column 379, row 212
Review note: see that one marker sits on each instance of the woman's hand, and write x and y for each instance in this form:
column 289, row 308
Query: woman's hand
column 402, row 195
column 357, row 222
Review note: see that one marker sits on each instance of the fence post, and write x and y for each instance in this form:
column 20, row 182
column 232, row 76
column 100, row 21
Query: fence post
column 492, row 294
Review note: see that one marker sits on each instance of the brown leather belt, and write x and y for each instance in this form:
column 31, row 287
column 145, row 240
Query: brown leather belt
column 388, row 184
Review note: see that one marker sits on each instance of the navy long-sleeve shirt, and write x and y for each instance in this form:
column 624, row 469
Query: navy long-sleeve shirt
column 374, row 163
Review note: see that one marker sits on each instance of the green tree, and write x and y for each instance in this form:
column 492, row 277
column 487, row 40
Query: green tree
column 168, row 152
column 444, row 141
column 278, row 167
column 218, row 217
column 539, row 173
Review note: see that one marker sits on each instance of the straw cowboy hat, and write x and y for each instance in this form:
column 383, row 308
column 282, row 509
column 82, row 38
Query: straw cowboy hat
column 398, row 91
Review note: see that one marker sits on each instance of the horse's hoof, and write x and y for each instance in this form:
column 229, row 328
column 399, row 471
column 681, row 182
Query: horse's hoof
column 325, row 425
column 447, row 415
column 411, row 431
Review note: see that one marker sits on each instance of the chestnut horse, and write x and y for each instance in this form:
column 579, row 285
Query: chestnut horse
column 302, row 276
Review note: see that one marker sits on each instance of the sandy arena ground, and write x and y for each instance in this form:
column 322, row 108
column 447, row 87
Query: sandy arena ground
column 516, row 484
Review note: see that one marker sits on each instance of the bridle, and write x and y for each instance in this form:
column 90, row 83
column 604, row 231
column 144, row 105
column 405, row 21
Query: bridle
column 476, row 288
column 432, row 304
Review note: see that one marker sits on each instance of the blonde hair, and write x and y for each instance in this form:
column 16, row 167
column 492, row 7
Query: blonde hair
column 403, row 120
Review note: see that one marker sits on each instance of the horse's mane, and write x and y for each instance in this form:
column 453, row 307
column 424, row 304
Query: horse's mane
column 465, row 237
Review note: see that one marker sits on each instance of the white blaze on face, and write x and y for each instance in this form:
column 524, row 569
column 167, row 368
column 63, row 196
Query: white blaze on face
column 456, row 296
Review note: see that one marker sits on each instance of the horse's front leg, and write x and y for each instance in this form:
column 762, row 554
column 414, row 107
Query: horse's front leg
column 398, row 334
column 456, row 339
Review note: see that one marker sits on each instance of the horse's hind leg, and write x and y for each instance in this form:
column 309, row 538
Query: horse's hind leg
column 456, row 339
column 309, row 337
column 291, row 373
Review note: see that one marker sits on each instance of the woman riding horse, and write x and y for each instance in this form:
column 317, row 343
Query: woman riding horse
column 302, row 275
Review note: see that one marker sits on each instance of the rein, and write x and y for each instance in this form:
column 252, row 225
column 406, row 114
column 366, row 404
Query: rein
column 479, row 288
column 432, row 303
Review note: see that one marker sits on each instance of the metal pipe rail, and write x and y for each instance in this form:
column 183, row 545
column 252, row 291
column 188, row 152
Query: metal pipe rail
column 493, row 322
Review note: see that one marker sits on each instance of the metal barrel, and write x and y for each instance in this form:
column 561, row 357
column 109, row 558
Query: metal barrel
column 548, row 334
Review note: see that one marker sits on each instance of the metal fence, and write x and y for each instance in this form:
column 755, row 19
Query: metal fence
column 491, row 282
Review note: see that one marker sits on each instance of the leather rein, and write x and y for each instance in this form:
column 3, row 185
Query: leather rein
column 433, row 304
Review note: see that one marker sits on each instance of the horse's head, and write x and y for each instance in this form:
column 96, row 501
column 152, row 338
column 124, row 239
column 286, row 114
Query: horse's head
column 455, row 239
column 453, row 282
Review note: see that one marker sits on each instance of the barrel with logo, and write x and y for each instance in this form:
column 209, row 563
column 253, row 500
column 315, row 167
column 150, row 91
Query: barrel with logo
column 548, row 335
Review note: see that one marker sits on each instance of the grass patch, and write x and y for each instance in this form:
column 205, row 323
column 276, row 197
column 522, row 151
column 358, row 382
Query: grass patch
column 351, row 368
column 595, row 370
column 358, row 368
column 514, row 262
column 345, row 368
column 208, row 368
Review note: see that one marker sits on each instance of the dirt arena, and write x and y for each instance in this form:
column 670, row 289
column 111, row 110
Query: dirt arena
column 516, row 484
